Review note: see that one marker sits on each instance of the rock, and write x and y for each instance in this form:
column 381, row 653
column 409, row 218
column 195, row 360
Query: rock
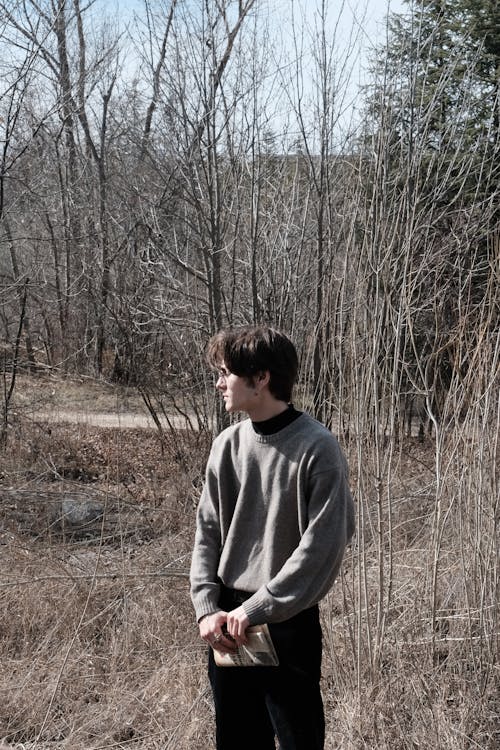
column 80, row 511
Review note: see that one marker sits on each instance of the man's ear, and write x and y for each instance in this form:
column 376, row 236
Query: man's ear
column 263, row 377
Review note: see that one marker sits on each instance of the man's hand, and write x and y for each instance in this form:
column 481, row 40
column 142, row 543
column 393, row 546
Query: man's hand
column 237, row 622
column 211, row 630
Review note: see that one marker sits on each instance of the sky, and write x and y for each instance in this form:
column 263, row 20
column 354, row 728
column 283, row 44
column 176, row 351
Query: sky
column 367, row 17
column 375, row 13
column 288, row 19
column 363, row 19
column 369, row 14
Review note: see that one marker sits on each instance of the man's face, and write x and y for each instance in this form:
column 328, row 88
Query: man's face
column 237, row 392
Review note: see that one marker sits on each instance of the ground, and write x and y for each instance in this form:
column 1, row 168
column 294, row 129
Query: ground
column 98, row 644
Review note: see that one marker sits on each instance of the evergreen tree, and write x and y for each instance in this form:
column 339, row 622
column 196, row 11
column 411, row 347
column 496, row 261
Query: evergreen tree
column 433, row 127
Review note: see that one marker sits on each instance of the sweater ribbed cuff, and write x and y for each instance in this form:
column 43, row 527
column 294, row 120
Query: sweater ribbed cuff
column 205, row 605
column 258, row 606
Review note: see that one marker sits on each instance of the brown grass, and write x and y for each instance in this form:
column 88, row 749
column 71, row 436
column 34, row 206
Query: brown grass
column 98, row 644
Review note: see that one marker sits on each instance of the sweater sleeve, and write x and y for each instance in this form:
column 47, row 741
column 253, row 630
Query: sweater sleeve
column 310, row 571
column 206, row 551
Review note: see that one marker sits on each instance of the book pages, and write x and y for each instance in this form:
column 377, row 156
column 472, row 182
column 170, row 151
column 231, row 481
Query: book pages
column 259, row 651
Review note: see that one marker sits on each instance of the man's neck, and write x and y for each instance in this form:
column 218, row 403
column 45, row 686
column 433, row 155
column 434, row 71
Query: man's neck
column 267, row 408
column 278, row 423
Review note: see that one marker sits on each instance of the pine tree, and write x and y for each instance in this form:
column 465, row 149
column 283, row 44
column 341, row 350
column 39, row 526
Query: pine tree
column 433, row 126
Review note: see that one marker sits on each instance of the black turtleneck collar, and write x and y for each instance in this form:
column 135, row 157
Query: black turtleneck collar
column 277, row 423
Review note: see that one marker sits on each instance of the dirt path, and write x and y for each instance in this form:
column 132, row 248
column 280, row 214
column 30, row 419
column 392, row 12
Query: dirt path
column 88, row 402
column 119, row 420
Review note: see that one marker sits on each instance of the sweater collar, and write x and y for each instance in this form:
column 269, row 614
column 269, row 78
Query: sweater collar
column 277, row 423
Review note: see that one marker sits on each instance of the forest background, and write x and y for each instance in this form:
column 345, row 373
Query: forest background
column 188, row 171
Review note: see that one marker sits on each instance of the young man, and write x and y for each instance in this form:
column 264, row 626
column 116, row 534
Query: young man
column 273, row 522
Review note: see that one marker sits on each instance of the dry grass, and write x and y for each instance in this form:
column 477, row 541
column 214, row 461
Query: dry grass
column 98, row 643
column 97, row 640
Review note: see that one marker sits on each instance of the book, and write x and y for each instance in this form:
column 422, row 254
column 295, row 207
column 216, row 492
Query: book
column 259, row 651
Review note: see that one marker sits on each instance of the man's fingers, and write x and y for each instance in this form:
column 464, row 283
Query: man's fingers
column 211, row 626
column 237, row 630
column 222, row 643
column 212, row 630
column 237, row 623
column 225, row 631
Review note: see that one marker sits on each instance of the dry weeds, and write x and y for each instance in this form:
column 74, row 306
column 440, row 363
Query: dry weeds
column 98, row 644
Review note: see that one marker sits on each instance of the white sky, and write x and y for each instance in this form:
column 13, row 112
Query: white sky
column 369, row 14
column 358, row 25
column 366, row 16
column 289, row 19
column 375, row 13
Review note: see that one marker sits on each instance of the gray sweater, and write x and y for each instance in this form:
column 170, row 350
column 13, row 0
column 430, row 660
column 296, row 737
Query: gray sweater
column 274, row 519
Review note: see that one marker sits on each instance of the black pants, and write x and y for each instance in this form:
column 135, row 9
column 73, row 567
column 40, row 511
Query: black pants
column 255, row 704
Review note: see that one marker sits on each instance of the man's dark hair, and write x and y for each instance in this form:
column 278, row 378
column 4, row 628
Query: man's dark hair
column 249, row 350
